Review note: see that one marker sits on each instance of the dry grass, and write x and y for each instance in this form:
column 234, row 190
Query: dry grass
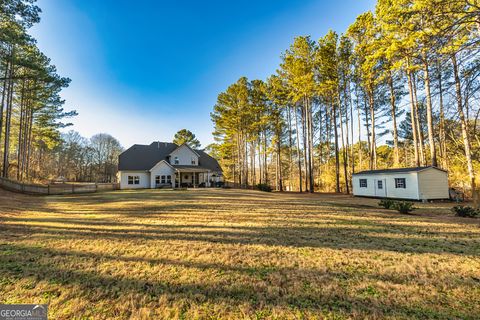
column 236, row 254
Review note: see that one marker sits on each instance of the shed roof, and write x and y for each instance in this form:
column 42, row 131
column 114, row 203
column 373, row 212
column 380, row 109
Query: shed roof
column 145, row 157
column 398, row 170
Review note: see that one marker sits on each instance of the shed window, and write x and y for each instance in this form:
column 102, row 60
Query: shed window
column 400, row 183
column 380, row 184
column 163, row 179
column 363, row 183
column 157, row 180
column 133, row 180
column 176, row 161
column 194, row 162
column 169, row 179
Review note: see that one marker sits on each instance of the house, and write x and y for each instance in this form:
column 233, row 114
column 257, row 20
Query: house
column 418, row 183
column 164, row 164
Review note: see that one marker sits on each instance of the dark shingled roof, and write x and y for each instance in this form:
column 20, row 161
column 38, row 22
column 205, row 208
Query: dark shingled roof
column 397, row 170
column 145, row 157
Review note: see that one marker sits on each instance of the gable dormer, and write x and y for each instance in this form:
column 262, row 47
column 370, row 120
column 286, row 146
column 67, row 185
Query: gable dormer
column 184, row 156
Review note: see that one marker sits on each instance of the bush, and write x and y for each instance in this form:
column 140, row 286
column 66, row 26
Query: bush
column 386, row 203
column 465, row 211
column 263, row 187
column 404, row 207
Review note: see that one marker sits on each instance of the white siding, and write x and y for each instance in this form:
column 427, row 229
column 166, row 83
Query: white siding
column 144, row 179
column 185, row 155
column 433, row 184
column 161, row 169
column 410, row 192
column 369, row 191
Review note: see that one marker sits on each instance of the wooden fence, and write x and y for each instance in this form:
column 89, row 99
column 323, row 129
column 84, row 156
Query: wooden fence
column 63, row 188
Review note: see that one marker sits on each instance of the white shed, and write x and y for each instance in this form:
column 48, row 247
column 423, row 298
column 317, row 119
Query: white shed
column 418, row 183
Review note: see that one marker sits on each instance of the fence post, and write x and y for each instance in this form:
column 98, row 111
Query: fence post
column 73, row 188
column 96, row 187
column 48, row 189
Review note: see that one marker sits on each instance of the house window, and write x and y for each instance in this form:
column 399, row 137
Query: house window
column 363, row 183
column 176, row 161
column 169, row 179
column 133, row 180
column 163, row 179
column 380, row 184
column 400, row 183
column 157, row 180
column 194, row 162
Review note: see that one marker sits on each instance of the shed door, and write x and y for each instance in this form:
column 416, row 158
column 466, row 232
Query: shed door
column 380, row 187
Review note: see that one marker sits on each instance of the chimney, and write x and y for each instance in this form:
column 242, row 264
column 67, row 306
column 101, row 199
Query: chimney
column 158, row 144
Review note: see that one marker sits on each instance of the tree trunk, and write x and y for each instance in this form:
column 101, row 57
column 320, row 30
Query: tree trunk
column 464, row 125
column 298, row 151
column 396, row 152
column 412, row 118
column 290, row 150
column 344, row 149
column 337, row 160
column 347, row 141
column 367, row 125
column 320, row 149
column 442, row 135
column 373, row 151
column 4, row 94
column 352, row 155
column 260, row 165
column 8, row 117
column 279, row 160
column 304, row 136
column 310, row 144
column 431, row 138
column 252, row 162
column 418, row 124
column 360, row 156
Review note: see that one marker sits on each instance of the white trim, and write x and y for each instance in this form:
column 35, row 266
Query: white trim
column 186, row 145
column 160, row 163
column 392, row 171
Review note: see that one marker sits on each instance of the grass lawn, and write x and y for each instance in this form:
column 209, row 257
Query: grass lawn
column 232, row 254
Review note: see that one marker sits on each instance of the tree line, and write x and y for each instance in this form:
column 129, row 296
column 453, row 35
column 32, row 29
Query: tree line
column 32, row 114
column 400, row 87
column 77, row 158
column 31, row 110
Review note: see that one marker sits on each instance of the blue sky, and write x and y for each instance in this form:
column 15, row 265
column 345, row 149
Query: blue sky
column 143, row 70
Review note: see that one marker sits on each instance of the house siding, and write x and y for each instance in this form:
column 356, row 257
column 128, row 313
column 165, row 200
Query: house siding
column 144, row 180
column 184, row 155
column 433, row 184
column 161, row 169
column 410, row 192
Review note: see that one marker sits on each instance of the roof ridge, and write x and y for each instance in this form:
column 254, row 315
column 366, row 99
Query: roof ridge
column 404, row 169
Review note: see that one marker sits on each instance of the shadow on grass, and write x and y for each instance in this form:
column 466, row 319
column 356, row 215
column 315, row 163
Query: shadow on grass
column 55, row 266
column 359, row 235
